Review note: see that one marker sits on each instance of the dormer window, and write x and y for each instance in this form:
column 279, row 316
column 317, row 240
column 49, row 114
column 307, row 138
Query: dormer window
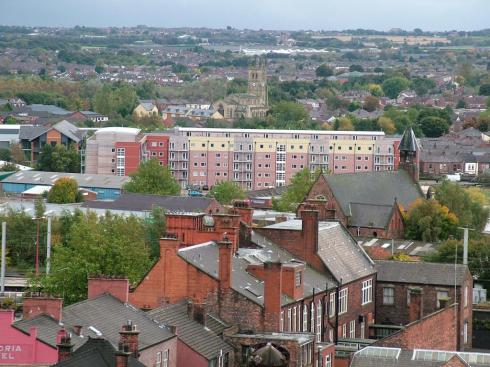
column 297, row 278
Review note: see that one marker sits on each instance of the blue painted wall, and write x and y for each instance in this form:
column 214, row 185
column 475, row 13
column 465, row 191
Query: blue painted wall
column 102, row 193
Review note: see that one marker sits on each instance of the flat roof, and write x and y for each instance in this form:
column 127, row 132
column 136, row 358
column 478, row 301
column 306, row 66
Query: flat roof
column 84, row 180
column 275, row 131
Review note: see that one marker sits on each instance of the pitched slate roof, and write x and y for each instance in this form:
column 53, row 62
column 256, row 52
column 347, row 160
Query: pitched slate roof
column 339, row 251
column 192, row 333
column 396, row 357
column 100, row 316
column 29, row 132
column 142, row 202
column 370, row 215
column 205, row 257
column 420, row 272
column 96, row 352
column 378, row 188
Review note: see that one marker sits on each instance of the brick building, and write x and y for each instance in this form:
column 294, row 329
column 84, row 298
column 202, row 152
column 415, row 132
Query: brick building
column 287, row 283
column 368, row 204
column 432, row 285
column 103, row 313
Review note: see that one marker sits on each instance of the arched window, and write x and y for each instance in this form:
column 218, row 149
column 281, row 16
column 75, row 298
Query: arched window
column 321, row 197
column 305, row 318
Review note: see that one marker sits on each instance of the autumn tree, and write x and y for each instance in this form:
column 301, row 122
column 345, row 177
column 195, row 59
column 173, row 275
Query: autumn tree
column 427, row 220
column 387, row 125
column 371, row 103
column 64, row 190
column 393, row 86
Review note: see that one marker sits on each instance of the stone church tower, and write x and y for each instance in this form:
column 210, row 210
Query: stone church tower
column 257, row 80
column 410, row 153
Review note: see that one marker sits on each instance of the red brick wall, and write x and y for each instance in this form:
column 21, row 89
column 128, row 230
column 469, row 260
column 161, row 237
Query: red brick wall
column 149, row 356
column 119, row 288
column 132, row 155
column 33, row 306
column 436, row 331
column 188, row 357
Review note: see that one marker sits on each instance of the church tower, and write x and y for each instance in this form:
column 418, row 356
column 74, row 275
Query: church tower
column 257, row 80
column 409, row 153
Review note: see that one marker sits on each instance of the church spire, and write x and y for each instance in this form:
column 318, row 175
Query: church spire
column 409, row 153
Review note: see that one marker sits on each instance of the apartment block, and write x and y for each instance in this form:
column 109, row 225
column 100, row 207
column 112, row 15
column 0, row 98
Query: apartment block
column 253, row 158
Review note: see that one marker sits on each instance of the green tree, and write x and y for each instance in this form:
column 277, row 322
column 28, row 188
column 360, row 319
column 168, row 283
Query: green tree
column 485, row 89
column 296, row 191
column 343, row 124
column 393, row 86
column 9, row 167
column 227, row 191
column 469, row 211
column 111, row 245
column 478, row 256
column 5, row 154
column 288, row 115
column 387, row 125
column 433, row 126
column 64, row 191
column 152, row 178
column 323, row 71
column 422, row 86
column 39, row 207
column 427, row 220
column 356, row 67
column 59, row 159
column 155, row 228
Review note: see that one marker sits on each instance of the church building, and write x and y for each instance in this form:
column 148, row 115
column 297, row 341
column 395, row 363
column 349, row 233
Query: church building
column 254, row 103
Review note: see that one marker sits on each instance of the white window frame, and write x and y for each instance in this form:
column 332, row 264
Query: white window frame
column 294, row 319
column 344, row 331
column 441, row 294
column 352, row 329
column 331, row 307
column 305, row 318
column 165, row 358
column 465, row 332
column 312, row 316
column 465, row 296
column 319, row 321
column 328, row 361
column 289, row 320
column 159, row 359
column 343, row 300
column 281, row 325
column 367, row 291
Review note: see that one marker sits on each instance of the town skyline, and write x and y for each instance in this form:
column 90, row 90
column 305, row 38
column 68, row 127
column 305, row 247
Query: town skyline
column 272, row 15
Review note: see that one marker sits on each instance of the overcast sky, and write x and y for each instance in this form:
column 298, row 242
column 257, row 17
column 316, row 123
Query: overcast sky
column 255, row 14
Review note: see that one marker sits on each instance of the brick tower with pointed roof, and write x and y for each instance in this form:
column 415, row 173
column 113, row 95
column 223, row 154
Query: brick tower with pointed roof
column 409, row 153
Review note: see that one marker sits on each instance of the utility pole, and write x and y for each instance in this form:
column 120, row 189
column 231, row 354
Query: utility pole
column 37, row 246
column 4, row 257
column 465, row 243
column 48, row 247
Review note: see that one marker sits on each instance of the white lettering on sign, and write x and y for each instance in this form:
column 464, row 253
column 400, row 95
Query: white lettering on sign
column 6, row 351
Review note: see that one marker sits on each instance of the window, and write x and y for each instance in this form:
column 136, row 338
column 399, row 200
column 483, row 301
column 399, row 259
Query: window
column 281, row 325
column 388, row 295
column 319, row 321
column 441, row 295
column 298, row 279
column 289, row 320
column 159, row 359
column 165, row 358
column 367, row 291
column 330, row 335
column 312, row 317
column 465, row 332
column 465, row 296
column 352, row 329
column 293, row 320
column 343, row 300
column 344, row 331
column 305, row 318
column 328, row 361
column 331, row 305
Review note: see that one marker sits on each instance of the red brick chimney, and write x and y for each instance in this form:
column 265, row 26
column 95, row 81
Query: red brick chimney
column 118, row 287
column 122, row 355
column 34, row 306
column 129, row 336
column 243, row 209
column 64, row 345
column 293, row 276
column 225, row 263
column 415, row 310
column 309, row 232
column 272, row 296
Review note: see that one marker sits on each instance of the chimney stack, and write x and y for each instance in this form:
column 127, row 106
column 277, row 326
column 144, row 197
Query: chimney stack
column 64, row 345
column 129, row 337
column 309, row 219
column 225, row 263
column 117, row 287
column 272, row 296
column 122, row 355
column 34, row 306
column 415, row 311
